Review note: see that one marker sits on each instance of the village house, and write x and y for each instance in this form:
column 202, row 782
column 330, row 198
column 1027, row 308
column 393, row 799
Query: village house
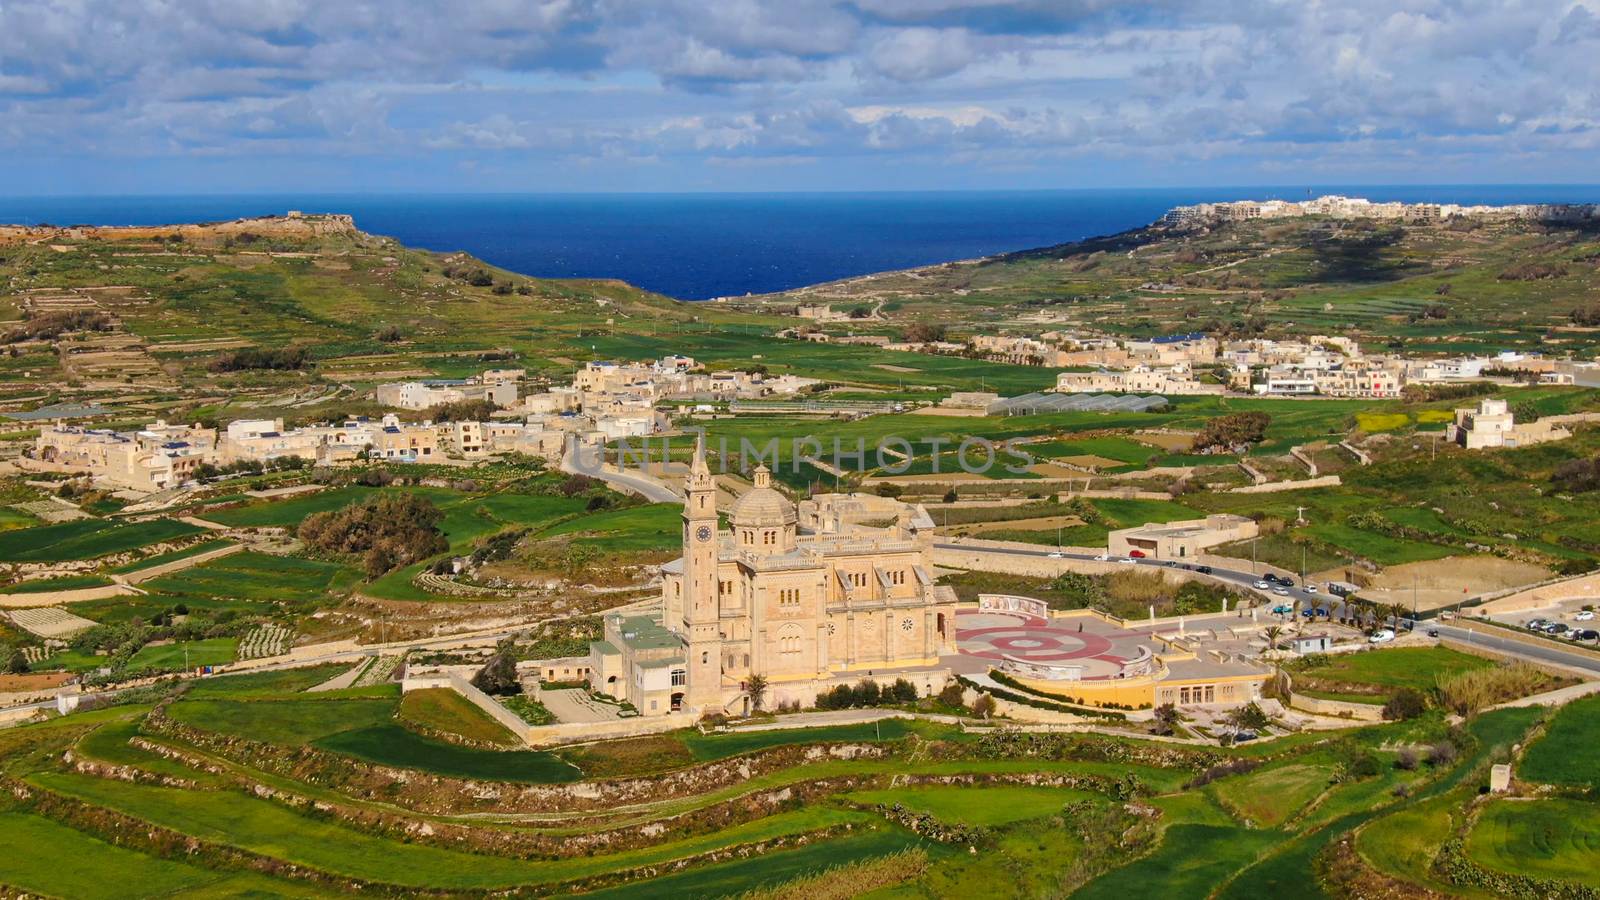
column 153, row 458
column 1493, row 424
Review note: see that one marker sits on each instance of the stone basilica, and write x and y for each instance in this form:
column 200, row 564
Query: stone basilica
column 803, row 610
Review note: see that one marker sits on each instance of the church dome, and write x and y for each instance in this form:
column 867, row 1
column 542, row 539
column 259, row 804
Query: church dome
column 762, row 506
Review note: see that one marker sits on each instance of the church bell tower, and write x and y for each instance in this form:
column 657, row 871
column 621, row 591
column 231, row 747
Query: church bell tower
column 700, row 606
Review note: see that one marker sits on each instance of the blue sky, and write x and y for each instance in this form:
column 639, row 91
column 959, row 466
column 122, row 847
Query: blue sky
column 161, row 96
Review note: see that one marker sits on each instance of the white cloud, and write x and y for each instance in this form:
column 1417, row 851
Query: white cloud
column 868, row 82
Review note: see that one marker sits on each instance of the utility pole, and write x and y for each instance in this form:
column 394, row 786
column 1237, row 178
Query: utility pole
column 1253, row 556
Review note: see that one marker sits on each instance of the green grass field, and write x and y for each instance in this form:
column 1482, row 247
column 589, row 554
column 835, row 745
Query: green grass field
column 656, row 526
column 88, row 539
column 1189, row 863
column 1374, row 675
column 1267, row 798
column 392, row 745
column 442, row 709
column 160, row 559
column 172, row 657
column 255, row 576
column 61, row 862
column 64, row 583
column 1549, row 838
column 991, row 805
column 1565, row 755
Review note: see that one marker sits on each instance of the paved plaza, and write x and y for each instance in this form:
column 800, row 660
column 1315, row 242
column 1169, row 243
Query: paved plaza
column 987, row 638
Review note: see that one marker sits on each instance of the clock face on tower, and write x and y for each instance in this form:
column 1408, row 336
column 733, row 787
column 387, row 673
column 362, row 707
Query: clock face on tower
column 703, row 533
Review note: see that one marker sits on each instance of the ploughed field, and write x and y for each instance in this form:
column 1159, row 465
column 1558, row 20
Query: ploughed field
column 248, row 784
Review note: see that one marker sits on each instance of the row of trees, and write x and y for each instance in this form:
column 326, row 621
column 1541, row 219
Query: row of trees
column 280, row 359
column 48, row 325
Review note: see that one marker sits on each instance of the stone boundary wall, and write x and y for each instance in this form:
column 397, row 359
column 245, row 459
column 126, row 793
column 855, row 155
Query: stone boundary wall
column 454, row 681
column 177, row 565
column 1580, row 587
column 55, row 598
column 1305, row 459
column 1275, row 486
column 1339, row 709
column 1362, row 456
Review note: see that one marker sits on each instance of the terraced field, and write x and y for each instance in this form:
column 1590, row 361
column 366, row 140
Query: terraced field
column 226, row 773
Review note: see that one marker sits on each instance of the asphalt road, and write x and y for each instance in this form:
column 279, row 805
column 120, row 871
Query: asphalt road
column 1542, row 651
column 627, row 482
column 1539, row 651
column 1230, row 576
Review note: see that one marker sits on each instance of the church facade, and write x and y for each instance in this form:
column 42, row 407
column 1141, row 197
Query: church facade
column 803, row 611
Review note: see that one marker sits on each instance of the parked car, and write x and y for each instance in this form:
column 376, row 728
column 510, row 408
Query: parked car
column 1381, row 636
column 1282, row 609
column 1128, row 559
column 1587, row 634
column 1556, row 628
column 1203, row 570
column 1311, row 588
column 1261, row 585
column 1536, row 624
column 1584, row 615
column 1243, row 736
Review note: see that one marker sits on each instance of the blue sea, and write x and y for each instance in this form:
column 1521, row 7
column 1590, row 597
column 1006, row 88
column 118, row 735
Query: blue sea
column 698, row 246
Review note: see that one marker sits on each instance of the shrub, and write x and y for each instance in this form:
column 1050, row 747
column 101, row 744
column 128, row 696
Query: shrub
column 283, row 358
column 953, row 694
column 983, row 707
column 1465, row 693
column 1224, row 432
column 47, row 325
column 1407, row 703
column 461, row 411
column 1406, row 759
column 1363, row 765
column 1577, row 476
column 1442, row 754
column 1532, row 271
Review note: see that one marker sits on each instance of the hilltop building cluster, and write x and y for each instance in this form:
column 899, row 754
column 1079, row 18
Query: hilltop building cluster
column 607, row 401
column 1339, row 207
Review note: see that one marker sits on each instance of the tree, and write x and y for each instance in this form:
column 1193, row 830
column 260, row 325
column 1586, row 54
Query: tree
column 950, row 496
column 1248, row 717
column 499, row 674
column 756, row 687
column 1167, row 718
column 983, row 707
column 903, row 691
column 17, row 664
